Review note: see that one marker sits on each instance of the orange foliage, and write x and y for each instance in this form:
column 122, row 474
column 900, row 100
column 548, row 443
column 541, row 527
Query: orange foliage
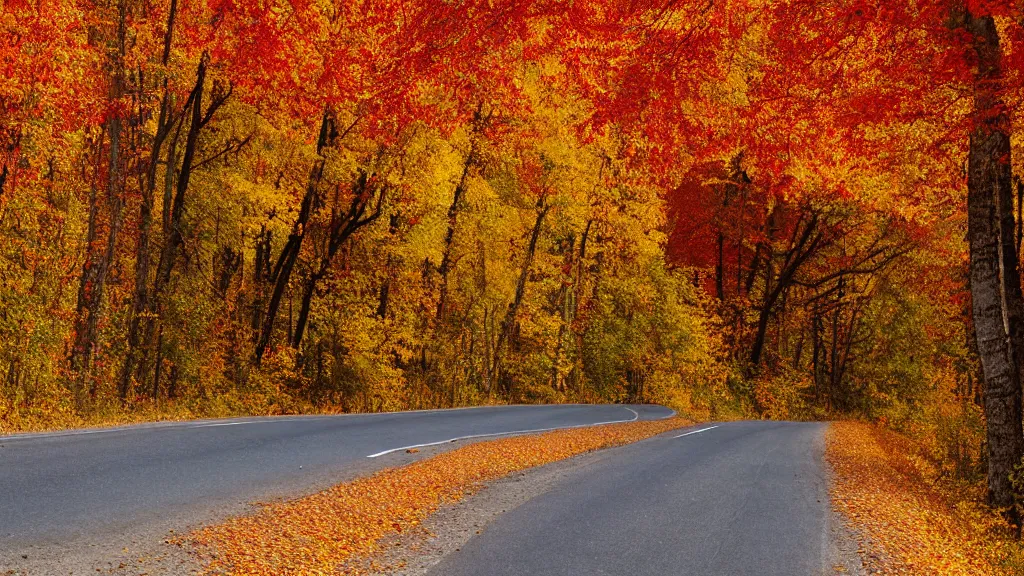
column 888, row 493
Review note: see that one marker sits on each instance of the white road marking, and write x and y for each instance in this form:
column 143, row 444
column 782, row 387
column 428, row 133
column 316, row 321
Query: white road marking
column 695, row 432
column 635, row 417
column 232, row 423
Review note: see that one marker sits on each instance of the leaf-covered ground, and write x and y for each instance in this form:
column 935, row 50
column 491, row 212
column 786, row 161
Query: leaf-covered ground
column 910, row 522
column 317, row 534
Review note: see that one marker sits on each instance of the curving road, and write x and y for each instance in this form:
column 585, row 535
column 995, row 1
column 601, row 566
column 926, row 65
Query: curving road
column 739, row 498
column 61, row 488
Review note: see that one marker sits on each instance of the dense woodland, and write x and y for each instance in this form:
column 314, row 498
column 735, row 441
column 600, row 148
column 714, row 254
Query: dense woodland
column 781, row 208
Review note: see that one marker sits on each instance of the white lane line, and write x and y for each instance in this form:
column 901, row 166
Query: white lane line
column 635, row 417
column 232, row 423
column 695, row 432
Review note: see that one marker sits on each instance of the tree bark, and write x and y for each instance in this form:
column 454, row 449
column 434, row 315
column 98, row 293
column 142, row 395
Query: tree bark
column 449, row 236
column 479, row 121
column 261, row 273
column 175, row 237
column 174, row 206
column 385, row 287
column 995, row 280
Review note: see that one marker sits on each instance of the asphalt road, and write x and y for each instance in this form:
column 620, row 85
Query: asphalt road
column 742, row 498
column 56, row 488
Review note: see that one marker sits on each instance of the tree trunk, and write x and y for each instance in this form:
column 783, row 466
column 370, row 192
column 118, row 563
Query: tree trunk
column 720, row 267
column 803, row 246
column 816, row 353
column 149, row 332
column 260, row 276
column 995, row 281
column 510, row 315
column 341, row 228
column 282, row 273
column 308, row 290
column 98, row 260
column 565, row 315
column 449, row 236
column 140, row 301
column 175, row 238
column 174, row 210
column 385, row 287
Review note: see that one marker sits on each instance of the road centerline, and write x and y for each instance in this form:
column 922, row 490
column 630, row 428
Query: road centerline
column 636, row 416
column 695, row 432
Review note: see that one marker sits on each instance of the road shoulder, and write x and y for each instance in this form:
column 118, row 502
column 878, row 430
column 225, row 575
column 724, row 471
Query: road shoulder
column 415, row 552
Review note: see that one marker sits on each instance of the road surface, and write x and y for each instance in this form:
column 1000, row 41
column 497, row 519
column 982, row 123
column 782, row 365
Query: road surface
column 86, row 485
column 743, row 498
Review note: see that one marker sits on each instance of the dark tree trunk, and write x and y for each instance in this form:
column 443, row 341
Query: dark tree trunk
column 385, row 287
column 834, row 345
column 764, row 246
column 805, row 243
column 340, row 229
column 816, row 328
column 282, row 272
column 508, row 323
column 479, row 120
column 174, row 206
column 148, row 333
column 720, row 267
column 140, row 302
column 308, row 289
column 99, row 257
column 260, row 276
column 581, row 269
column 449, row 237
column 174, row 210
column 995, row 281
column 382, row 303
column 565, row 306
column 175, row 237
column 226, row 263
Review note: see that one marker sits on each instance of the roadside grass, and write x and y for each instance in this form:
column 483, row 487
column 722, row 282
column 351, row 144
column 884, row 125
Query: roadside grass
column 319, row 533
column 909, row 520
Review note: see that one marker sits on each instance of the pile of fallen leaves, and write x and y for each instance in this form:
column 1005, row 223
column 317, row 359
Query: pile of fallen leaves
column 318, row 533
column 908, row 522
